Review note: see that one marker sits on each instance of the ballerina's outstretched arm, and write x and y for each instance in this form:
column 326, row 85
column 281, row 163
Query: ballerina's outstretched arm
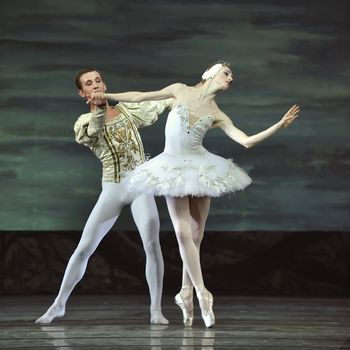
column 137, row 96
column 225, row 123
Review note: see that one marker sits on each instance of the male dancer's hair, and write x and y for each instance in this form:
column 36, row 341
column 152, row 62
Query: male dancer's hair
column 82, row 72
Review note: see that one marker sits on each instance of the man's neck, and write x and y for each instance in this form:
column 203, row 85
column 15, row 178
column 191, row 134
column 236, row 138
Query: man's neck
column 112, row 113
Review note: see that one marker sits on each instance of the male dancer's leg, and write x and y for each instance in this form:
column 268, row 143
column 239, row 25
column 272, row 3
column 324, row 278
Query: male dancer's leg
column 145, row 214
column 103, row 216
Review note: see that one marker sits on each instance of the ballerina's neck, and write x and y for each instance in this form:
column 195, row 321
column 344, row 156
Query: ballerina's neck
column 204, row 92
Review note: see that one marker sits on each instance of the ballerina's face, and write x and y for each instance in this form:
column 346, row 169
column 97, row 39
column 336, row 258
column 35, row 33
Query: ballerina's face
column 224, row 78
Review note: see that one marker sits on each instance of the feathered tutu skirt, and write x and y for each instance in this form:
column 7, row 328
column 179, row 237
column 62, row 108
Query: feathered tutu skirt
column 198, row 175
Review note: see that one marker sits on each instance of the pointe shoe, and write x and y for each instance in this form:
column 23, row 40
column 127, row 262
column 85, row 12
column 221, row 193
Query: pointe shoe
column 186, row 306
column 206, row 300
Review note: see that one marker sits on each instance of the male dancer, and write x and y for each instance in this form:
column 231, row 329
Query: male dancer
column 112, row 134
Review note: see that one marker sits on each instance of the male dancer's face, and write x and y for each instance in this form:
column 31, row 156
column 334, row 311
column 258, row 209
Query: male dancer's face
column 91, row 82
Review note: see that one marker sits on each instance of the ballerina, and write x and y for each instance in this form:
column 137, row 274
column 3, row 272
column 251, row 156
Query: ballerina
column 187, row 175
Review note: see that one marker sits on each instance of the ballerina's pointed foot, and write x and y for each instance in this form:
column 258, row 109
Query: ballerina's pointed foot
column 158, row 318
column 53, row 312
column 185, row 302
column 206, row 300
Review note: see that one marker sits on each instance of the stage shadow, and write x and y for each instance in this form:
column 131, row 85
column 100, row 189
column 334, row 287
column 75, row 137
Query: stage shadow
column 58, row 335
column 187, row 338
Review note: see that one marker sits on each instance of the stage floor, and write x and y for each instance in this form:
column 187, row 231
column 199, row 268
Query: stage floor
column 121, row 322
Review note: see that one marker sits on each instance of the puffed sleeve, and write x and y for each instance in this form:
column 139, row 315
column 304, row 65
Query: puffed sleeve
column 145, row 113
column 88, row 128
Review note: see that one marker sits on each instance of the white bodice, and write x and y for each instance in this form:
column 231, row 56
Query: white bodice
column 181, row 138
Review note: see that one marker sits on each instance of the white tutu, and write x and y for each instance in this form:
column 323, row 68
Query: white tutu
column 209, row 175
column 186, row 167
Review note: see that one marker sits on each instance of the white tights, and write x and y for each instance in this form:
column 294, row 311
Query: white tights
column 111, row 201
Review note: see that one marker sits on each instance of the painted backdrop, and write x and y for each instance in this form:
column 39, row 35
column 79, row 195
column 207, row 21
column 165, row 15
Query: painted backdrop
column 281, row 53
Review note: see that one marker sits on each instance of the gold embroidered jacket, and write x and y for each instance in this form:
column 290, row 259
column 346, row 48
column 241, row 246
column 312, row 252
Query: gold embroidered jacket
column 117, row 143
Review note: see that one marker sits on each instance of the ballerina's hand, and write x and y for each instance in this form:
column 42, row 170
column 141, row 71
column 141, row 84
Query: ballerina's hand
column 97, row 99
column 289, row 117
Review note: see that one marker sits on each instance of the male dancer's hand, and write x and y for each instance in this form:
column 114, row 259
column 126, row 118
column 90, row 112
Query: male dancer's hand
column 97, row 99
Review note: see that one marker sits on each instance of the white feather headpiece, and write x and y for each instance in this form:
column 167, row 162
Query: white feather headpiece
column 212, row 71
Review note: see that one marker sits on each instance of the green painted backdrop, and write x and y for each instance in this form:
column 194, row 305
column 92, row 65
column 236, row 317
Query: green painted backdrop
column 297, row 52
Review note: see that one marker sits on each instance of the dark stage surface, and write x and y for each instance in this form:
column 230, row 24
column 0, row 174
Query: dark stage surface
column 121, row 322
column 312, row 264
column 296, row 287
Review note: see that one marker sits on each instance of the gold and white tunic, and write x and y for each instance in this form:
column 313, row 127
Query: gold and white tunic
column 117, row 142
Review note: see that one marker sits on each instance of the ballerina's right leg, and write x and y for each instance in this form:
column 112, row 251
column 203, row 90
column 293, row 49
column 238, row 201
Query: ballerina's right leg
column 199, row 210
column 179, row 211
column 103, row 216
column 180, row 214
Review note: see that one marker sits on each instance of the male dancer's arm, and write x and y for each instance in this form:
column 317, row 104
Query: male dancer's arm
column 88, row 128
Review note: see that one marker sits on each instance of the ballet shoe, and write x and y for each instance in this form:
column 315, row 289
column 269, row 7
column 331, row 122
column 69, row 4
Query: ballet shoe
column 157, row 318
column 186, row 306
column 53, row 312
column 206, row 300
